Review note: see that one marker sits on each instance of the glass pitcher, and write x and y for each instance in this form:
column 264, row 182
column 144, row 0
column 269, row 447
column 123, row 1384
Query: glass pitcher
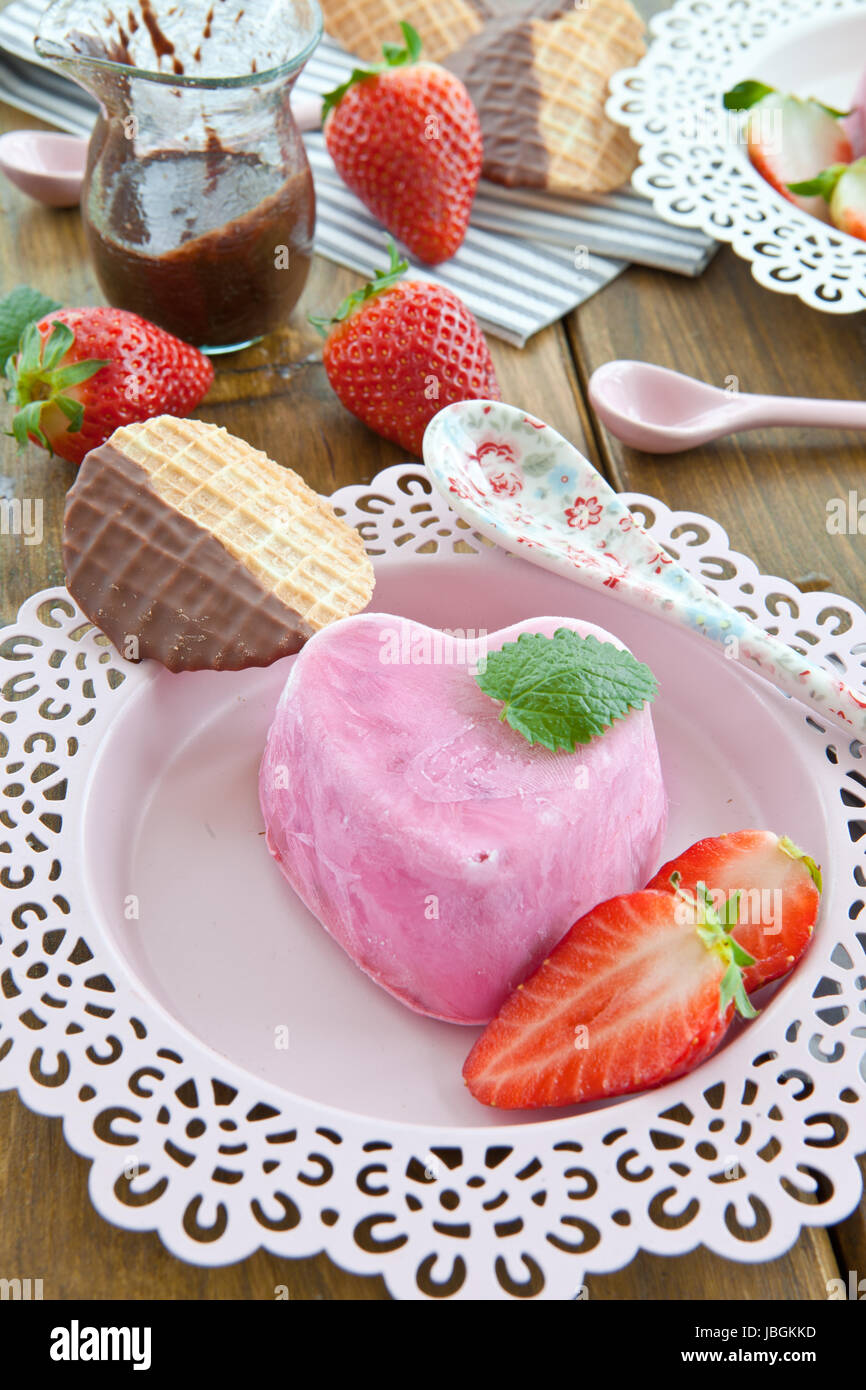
column 198, row 199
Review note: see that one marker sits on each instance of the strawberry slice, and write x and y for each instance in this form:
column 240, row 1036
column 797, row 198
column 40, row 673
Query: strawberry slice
column 631, row 997
column 790, row 139
column 843, row 186
column 763, row 888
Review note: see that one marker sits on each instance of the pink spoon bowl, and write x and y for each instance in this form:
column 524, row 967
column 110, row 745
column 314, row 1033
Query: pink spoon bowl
column 45, row 165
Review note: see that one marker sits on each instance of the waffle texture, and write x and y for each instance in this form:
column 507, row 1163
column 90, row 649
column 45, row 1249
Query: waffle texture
column 362, row 26
column 185, row 544
column 264, row 515
column 539, row 80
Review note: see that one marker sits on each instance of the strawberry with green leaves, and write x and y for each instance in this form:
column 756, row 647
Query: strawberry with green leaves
column 767, row 889
column 75, row 375
column 843, row 188
column 790, row 139
column 632, row 997
column 398, row 351
column 406, row 140
column 644, row 987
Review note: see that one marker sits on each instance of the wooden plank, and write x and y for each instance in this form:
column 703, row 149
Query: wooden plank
column 58, row 1236
column 801, row 1275
column 850, row 1243
column 769, row 489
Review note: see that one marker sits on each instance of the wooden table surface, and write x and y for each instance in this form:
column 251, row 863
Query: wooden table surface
column 769, row 490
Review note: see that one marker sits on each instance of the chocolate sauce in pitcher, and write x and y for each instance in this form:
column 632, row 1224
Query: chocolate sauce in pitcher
column 213, row 245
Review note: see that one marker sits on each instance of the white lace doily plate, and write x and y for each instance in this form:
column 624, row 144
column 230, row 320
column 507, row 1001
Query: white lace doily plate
column 693, row 160
column 237, row 1083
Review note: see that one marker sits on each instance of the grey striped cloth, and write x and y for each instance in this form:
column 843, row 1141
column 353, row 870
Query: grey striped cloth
column 528, row 257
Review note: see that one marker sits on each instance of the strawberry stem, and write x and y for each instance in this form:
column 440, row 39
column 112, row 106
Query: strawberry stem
column 37, row 379
column 382, row 280
column 394, row 57
column 712, row 932
column 746, row 95
column 822, row 185
column 788, row 847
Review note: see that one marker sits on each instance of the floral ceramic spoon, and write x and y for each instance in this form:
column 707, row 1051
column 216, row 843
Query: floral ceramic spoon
column 520, row 483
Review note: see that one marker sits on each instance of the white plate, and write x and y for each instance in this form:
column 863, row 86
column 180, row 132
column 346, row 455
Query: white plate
column 693, row 159
column 202, row 953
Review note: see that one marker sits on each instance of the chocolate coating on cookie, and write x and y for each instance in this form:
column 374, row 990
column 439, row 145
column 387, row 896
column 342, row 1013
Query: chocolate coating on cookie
column 139, row 569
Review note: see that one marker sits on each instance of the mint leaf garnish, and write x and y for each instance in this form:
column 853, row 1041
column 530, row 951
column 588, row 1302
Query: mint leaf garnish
column 562, row 691
column 17, row 309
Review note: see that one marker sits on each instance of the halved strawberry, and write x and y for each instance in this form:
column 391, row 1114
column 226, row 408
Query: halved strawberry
column 790, row 139
column 772, row 886
column 631, row 997
column 844, row 188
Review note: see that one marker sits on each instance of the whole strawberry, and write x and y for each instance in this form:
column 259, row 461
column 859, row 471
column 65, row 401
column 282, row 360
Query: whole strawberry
column 406, row 140
column 398, row 351
column 80, row 373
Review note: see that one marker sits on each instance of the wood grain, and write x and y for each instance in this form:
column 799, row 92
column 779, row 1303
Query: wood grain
column 769, row 489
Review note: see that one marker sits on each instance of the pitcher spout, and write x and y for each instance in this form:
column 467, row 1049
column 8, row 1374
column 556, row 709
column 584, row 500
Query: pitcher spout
column 198, row 44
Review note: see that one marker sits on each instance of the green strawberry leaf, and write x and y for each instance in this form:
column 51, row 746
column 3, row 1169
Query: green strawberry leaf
column 562, row 691
column 73, row 410
column 382, row 280
column 734, row 990
column 822, row 185
column 394, row 57
column 38, row 380
column 75, row 372
column 26, row 423
column 59, row 341
column 712, row 932
column 17, row 309
column 746, row 95
column 794, row 852
column 831, row 110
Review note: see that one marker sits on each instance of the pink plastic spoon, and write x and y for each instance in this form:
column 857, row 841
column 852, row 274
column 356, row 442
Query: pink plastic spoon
column 662, row 412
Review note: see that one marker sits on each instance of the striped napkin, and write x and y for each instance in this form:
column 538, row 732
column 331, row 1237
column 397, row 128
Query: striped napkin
column 528, row 257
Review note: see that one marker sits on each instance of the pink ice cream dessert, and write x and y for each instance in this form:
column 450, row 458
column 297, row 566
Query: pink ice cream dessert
column 443, row 851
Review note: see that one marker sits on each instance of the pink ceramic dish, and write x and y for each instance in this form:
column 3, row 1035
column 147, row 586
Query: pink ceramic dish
column 193, row 1013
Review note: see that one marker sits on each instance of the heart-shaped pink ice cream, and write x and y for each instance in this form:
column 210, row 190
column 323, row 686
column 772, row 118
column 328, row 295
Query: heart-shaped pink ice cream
column 444, row 852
